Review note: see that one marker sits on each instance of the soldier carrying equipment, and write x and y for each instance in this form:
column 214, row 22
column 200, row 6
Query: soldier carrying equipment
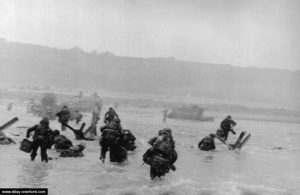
column 41, row 138
column 162, row 155
column 226, row 125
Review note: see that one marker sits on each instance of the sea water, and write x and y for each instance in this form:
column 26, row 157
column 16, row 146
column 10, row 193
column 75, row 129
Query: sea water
column 268, row 164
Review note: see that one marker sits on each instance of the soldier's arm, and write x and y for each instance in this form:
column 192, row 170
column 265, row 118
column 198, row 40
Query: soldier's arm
column 30, row 130
column 116, row 114
column 152, row 140
column 232, row 131
column 232, row 124
column 213, row 145
column 200, row 143
column 105, row 117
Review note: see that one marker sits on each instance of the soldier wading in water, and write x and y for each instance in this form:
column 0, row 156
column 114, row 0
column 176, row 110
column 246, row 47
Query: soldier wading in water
column 41, row 138
column 111, row 140
column 162, row 155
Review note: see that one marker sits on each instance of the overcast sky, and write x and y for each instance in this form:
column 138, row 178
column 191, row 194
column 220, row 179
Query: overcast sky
column 261, row 33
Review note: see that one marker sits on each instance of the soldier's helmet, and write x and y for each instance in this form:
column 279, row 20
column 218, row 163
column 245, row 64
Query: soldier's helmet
column 166, row 132
column 56, row 132
column 229, row 117
column 44, row 121
column 212, row 135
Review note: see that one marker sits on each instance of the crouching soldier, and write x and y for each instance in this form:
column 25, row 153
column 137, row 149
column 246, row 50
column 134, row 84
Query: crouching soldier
column 61, row 142
column 110, row 140
column 162, row 155
column 207, row 143
column 75, row 151
column 41, row 138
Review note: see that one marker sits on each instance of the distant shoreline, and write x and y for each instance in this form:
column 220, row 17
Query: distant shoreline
column 217, row 110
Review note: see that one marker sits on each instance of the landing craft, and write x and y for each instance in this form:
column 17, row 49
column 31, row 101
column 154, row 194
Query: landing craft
column 48, row 106
column 192, row 112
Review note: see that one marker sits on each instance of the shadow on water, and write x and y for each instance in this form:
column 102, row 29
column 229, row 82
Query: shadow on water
column 33, row 174
column 208, row 158
column 240, row 155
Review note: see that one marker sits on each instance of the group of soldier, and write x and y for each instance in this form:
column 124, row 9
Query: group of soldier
column 226, row 126
column 161, row 156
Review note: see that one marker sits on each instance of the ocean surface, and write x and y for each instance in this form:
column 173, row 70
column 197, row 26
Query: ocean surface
column 267, row 165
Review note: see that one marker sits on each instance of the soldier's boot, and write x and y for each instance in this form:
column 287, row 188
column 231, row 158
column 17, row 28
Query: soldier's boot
column 33, row 155
column 102, row 158
column 44, row 157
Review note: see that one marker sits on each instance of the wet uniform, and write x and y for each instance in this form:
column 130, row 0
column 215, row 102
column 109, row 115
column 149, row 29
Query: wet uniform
column 61, row 142
column 207, row 144
column 64, row 116
column 162, row 155
column 226, row 126
column 91, row 132
column 128, row 140
column 74, row 151
column 77, row 116
column 110, row 139
column 41, row 138
column 110, row 115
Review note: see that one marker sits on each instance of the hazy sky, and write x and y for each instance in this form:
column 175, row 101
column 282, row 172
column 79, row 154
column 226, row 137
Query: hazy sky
column 262, row 33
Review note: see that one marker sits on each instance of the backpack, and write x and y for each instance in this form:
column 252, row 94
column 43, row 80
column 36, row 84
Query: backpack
column 163, row 146
column 111, row 136
column 41, row 133
column 156, row 161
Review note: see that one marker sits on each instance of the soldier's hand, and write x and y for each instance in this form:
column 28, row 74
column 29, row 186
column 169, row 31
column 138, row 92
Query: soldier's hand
column 102, row 159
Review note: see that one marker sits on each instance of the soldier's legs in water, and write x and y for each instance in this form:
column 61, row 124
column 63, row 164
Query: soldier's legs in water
column 113, row 154
column 44, row 155
column 95, row 129
column 35, row 147
column 226, row 134
column 104, row 149
column 63, row 128
column 153, row 173
column 117, row 153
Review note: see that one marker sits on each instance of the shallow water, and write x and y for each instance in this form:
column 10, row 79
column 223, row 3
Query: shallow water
column 256, row 169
